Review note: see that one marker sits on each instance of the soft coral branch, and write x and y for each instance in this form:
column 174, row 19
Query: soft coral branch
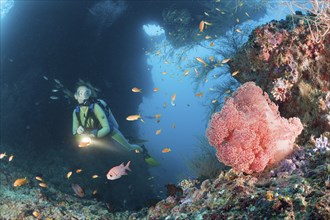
column 249, row 134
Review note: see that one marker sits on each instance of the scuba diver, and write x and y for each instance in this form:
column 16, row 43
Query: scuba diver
column 92, row 118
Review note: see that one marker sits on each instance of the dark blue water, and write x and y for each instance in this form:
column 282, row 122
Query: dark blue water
column 103, row 42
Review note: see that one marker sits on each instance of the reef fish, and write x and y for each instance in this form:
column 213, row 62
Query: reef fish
column 44, row 185
column 78, row 190
column 226, row 60
column 20, row 182
column 39, row 178
column 78, row 170
column 201, row 26
column 173, row 97
column 196, row 72
column 135, row 89
column 2, row 155
column 118, row 171
column 53, row 97
column 186, row 72
column 166, row 150
column 158, row 131
column 11, row 158
column 68, row 175
column 201, row 61
column 133, row 117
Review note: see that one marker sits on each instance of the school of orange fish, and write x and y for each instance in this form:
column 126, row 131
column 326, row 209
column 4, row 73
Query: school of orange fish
column 121, row 168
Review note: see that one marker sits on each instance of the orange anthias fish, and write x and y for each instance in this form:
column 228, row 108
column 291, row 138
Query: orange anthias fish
column 135, row 89
column 44, row 185
column 196, row 72
column 156, row 89
column 133, row 117
column 199, row 94
column 226, row 60
column 68, row 175
column 235, row 73
column 78, row 170
column 166, row 150
column 2, row 155
column 95, row 176
column 157, row 116
column 201, row 61
column 201, row 26
column 173, row 99
column 39, row 178
column 20, row 182
column 186, row 73
column 118, row 171
column 11, row 158
column 158, row 131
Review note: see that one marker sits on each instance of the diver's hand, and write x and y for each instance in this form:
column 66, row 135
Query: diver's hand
column 80, row 130
column 93, row 133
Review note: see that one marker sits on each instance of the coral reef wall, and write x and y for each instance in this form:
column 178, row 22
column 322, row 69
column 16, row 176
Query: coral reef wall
column 284, row 59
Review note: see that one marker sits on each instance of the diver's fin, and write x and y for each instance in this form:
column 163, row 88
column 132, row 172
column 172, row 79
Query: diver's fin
column 135, row 140
column 151, row 161
column 148, row 159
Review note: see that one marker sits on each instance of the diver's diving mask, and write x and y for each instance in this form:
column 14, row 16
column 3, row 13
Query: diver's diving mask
column 82, row 95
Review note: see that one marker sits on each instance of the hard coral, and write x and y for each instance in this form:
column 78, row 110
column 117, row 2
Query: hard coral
column 249, row 133
column 294, row 70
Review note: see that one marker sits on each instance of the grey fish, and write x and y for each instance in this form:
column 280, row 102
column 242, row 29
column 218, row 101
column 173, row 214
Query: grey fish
column 78, row 190
column 53, row 97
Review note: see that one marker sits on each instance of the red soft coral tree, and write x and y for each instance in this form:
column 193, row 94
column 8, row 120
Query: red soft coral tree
column 249, row 133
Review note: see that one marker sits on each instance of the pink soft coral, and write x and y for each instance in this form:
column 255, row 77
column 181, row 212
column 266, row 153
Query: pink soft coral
column 249, row 133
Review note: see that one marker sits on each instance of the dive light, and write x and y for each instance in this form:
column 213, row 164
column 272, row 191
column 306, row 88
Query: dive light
column 85, row 141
